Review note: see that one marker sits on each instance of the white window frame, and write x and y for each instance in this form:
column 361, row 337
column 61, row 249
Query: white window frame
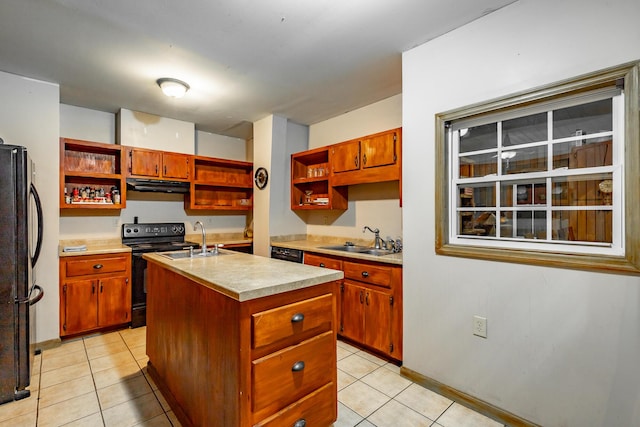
column 623, row 253
column 616, row 169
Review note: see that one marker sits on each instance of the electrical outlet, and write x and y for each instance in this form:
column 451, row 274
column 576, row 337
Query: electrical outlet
column 480, row 326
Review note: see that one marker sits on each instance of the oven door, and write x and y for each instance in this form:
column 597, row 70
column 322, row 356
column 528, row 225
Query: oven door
column 138, row 290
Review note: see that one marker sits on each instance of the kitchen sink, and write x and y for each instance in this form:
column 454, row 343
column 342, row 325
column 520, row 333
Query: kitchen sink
column 346, row 248
column 358, row 249
column 186, row 254
column 377, row 252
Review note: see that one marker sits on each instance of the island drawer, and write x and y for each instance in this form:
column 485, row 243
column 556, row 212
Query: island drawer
column 322, row 261
column 316, row 409
column 98, row 264
column 294, row 319
column 379, row 275
column 287, row 375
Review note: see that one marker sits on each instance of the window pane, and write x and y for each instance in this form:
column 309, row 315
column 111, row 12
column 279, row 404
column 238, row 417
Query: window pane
column 531, row 159
column 479, row 138
column 585, row 119
column 478, row 165
column 594, row 190
column 477, row 195
column 524, row 130
column 478, row 223
column 517, row 194
column 506, row 225
column 531, row 224
column 582, row 225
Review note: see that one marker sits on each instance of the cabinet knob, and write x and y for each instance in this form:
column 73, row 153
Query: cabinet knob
column 365, row 274
column 300, row 423
column 298, row 366
column 364, row 159
column 355, row 160
column 322, row 264
column 297, row 318
column 97, row 266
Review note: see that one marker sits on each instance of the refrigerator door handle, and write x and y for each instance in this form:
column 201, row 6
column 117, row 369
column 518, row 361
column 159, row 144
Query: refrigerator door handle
column 36, row 198
column 32, row 300
column 38, row 297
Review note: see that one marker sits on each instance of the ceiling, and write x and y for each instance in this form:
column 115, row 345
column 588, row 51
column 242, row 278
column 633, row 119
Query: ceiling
column 306, row 60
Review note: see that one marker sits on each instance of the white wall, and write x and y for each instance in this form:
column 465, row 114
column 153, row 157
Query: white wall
column 282, row 220
column 221, row 146
column 563, row 346
column 376, row 205
column 143, row 130
column 29, row 117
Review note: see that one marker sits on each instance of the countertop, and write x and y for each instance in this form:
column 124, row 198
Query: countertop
column 315, row 243
column 114, row 245
column 244, row 277
column 94, row 247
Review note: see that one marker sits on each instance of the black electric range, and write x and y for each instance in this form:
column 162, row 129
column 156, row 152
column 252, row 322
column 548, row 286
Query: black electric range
column 144, row 238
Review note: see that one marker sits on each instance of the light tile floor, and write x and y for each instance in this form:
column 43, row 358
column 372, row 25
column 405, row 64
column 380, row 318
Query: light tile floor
column 102, row 381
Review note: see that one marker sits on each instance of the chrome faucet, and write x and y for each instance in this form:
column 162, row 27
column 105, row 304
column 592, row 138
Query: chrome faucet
column 378, row 241
column 204, row 236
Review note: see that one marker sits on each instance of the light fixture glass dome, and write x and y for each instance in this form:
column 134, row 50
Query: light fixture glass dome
column 173, row 87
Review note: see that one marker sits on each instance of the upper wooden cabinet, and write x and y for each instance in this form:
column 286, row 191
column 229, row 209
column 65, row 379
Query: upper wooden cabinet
column 219, row 184
column 311, row 186
column 144, row 163
column 373, row 158
column 319, row 177
column 89, row 172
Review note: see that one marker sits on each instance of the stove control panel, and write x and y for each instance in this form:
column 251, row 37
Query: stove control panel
column 134, row 231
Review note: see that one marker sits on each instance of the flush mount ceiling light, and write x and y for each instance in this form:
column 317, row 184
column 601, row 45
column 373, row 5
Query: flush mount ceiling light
column 173, row 87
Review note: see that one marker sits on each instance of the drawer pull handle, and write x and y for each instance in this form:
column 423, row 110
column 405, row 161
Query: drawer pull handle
column 97, row 266
column 300, row 423
column 322, row 264
column 298, row 366
column 365, row 274
column 298, row 317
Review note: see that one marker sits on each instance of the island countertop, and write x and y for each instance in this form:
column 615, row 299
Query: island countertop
column 245, row 277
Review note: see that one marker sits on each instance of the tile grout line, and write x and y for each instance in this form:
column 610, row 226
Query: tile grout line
column 164, row 411
column 39, row 387
column 93, row 380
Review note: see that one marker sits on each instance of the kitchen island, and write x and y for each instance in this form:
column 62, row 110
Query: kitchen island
column 242, row 340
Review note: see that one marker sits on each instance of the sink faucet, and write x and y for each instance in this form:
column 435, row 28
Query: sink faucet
column 378, row 241
column 204, row 236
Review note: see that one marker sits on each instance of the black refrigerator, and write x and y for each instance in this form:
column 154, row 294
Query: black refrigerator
column 20, row 243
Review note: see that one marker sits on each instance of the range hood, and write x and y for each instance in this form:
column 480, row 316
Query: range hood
column 157, row 186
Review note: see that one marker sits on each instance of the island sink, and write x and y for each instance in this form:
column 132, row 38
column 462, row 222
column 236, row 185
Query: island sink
column 187, row 254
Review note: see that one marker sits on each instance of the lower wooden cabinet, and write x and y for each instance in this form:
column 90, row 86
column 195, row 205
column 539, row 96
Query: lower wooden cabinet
column 95, row 292
column 370, row 302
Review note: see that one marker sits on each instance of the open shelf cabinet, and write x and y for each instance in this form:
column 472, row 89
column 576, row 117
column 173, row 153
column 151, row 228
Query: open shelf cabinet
column 219, row 184
column 311, row 187
column 94, row 166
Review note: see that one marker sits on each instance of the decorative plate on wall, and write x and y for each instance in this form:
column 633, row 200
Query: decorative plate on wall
column 261, row 177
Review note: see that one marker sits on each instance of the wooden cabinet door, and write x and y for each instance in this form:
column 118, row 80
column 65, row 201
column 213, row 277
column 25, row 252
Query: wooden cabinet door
column 352, row 311
column 79, row 306
column 144, row 162
column 378, row 320
column 175, row 165
column 378, row 150
column 114, row 297
column 345, row 156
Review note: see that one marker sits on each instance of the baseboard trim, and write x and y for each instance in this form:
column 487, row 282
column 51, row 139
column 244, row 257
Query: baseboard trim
column 467, row 400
